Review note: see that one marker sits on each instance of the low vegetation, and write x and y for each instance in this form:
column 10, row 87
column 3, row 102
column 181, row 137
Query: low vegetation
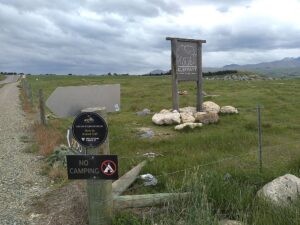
column 217, row 163
column 2, row 77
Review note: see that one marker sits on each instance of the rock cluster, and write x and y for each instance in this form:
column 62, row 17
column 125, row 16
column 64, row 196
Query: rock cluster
column 189, row 117
column 239, row 77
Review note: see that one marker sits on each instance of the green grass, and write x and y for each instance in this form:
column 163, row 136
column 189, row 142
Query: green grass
column 232, row 143
column 2, row 77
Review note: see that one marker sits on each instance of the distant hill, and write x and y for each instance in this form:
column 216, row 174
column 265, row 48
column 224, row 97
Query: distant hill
column 157, row 72
column 284, row 67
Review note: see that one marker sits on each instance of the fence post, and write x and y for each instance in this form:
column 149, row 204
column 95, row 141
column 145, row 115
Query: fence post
column 30, row 95
column 100, row 202
column 259, row 137
column 42, row 107
column 26, row 88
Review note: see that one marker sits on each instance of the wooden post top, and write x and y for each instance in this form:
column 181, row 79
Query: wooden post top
column 186, row 39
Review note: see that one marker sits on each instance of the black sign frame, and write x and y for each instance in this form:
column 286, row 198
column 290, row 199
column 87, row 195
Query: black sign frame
column 92, row 167
column 85, row 140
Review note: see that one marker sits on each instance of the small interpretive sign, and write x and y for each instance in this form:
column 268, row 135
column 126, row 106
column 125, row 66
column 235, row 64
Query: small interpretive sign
column 92, row 167
column 89, row 129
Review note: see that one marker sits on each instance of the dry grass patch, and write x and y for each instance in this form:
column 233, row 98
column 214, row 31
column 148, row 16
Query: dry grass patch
column 58, row 174
column 47, row 138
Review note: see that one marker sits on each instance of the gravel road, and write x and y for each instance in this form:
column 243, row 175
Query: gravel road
column 10, row 79
column 20, row 179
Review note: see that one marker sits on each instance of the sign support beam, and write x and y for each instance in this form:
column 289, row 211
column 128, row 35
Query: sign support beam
column 100, row 201
column 174, row 76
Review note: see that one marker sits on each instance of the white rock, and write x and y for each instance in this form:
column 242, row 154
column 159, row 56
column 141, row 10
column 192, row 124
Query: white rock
column 206, row 117
column 190, row 125
column 282, row 190
column 228, row 110
column 188, row 109
column 165, row 111
column 166, row 118
column 230, row 222
column 209, row 106
column 187, row 117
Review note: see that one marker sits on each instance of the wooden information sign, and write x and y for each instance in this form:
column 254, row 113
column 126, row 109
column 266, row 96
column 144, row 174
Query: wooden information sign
column 186, row 59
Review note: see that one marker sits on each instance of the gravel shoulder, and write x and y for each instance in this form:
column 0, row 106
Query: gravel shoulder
column 20, row 179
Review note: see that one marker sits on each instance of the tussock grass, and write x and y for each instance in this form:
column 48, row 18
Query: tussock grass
column 47, row 138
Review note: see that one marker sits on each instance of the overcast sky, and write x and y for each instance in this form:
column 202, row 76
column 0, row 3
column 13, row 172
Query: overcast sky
column 128, row 36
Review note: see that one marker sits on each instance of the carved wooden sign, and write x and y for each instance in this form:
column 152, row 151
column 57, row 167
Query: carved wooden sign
column 186, row 59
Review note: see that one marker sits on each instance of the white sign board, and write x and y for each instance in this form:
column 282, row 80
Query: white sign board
column 69, row 101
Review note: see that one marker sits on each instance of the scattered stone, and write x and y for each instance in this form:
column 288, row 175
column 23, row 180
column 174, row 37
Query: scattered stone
column 227, row 177
column 190, row 125
column 149, row 179
column 144, row 112
column 229, row 110
column 282, row 190
column 206, row 117
column 230, row 222
column 210, row 106
column 146, row 132
column 183, row 92
column 188, row 109
column 151, row 155
column 187, row 117
column 166, row 118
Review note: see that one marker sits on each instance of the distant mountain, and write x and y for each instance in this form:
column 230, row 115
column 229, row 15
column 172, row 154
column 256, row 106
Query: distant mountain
column 157, row 72
column 284, row 67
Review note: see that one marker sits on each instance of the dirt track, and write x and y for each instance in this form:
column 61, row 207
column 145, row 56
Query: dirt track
column 20, row 181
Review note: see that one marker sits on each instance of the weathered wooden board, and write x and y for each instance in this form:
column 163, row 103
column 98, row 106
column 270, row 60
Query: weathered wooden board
column 137, row 201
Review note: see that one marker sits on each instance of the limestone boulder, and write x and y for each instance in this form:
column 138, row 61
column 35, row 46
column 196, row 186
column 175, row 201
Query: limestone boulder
column 188, row 109
column 165, row 111
column 206, row 117
column 189, row 125
column 144, row 112
column 229, row 110
column 187, row 117
column 166, row 118
column 210, row 106
column 282, row 190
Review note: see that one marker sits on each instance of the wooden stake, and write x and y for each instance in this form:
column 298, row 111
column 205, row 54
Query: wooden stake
column 120, row 185
column 136, row 201
column 42, row 107
column 100, row 203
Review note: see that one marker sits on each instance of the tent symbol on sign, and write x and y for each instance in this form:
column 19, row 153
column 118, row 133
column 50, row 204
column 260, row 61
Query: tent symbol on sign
column 108, row 167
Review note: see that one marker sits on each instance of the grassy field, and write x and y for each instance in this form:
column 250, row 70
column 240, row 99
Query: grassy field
column 210, row 152
column 2, row 77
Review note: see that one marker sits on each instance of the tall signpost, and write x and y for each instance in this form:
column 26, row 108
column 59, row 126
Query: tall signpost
column 90, row 130
column 186, row 59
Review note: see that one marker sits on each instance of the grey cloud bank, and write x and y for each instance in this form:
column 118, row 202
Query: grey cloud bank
column 83, row 37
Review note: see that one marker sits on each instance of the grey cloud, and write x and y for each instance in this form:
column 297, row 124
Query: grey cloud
column 52, row 36
column 134, row 8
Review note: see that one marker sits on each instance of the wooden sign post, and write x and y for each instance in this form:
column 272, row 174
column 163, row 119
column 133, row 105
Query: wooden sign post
column 186, row 59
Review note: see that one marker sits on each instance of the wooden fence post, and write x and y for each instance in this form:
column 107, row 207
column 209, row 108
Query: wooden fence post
column 30, row 95
column 100, row 201
column 42, row 107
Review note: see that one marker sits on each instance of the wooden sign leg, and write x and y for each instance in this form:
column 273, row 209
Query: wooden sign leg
column 100, row 202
